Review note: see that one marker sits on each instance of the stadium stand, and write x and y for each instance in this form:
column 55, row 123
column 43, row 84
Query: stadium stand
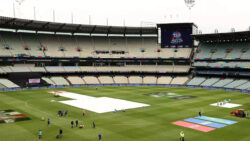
column 7, row 83
column 135, row 80
column 244, row 86
column 120, row 80
column 58, row 80
column 149, row 80
column 180, row 80
column 13, row 41
column 223, row 82
column 235, row 83
column 209, row 81
column 48, row 81
column 164, row 80
column 106, row 80
column 75, row 80
column 91, row 80
column 33, row 44
column 196, row 81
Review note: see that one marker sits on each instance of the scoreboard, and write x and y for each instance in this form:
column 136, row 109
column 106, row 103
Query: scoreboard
column 176, row 35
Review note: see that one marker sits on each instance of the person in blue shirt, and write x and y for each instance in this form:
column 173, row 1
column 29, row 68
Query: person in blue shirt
column 100, row 136
column 48, row 121
column 40, row 134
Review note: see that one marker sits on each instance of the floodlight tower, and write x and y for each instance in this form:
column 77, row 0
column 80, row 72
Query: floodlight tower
column 190, row 4
column 18, row 7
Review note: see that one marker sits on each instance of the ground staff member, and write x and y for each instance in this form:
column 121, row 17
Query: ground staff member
column 182, row 135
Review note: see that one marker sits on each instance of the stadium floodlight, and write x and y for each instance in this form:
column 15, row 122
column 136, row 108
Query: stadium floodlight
column 19, row 1
column 190, row 3
column 216, row 31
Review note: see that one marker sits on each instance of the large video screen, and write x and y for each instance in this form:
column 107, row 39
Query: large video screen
column 34, row 81
column 176, row 38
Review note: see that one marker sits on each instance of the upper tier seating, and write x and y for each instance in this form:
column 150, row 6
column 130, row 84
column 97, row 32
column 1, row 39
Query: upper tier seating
column 14, row 42
column 52, row 44
column 224, row 50
column 85, row 46
column 33, row 43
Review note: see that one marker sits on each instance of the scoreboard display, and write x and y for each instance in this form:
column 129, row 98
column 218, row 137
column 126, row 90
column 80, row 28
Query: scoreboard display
column 176, row 35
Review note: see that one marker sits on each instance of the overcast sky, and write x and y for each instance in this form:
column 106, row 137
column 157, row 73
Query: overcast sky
column 207, row 14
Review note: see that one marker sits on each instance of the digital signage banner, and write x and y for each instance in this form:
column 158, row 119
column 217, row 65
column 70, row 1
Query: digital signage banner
column 176, row 38
column 34, row 81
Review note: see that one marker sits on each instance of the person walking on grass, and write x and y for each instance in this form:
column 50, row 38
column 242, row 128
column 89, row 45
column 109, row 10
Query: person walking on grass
column 72, row 124
column 182, row 136
column 76, row 123
column 83, row 112
column 48, row 121
column 200, row 114
column 93, row 124
column 40, row 134
column 100, row 136
column 66, row 112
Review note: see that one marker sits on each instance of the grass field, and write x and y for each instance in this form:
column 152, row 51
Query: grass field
column 151, row 123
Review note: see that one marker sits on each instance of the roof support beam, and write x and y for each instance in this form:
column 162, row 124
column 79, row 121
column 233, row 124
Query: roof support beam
column 93, row 29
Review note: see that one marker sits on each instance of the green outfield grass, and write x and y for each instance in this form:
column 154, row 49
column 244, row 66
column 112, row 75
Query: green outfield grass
column 151, row 123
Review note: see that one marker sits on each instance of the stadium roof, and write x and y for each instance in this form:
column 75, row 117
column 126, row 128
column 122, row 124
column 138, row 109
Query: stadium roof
column 25, row 24
column 232, row 36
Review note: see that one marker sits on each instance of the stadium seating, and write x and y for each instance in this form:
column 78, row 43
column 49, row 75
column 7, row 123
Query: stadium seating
column 149, row 80
column 244, row 86
column 135, row 80
column 47, row 80
column 120, row 80
column 91, row 80
column 33, row 43
column 223, row 82
column 179, row 80
column 58, row 80
column 106, row 80
column 7, row 83
column 196, row 81
column 210, row 81
column 52, row 44
column 235, row 83
column 75, row 80
column 164, row 80
column 15, row 43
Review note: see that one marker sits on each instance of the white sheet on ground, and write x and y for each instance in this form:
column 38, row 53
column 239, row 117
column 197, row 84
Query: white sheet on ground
column 227, row 105
column 98, row 104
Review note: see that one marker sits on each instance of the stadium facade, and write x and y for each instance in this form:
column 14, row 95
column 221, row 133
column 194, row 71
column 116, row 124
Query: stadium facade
column 39, row 54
